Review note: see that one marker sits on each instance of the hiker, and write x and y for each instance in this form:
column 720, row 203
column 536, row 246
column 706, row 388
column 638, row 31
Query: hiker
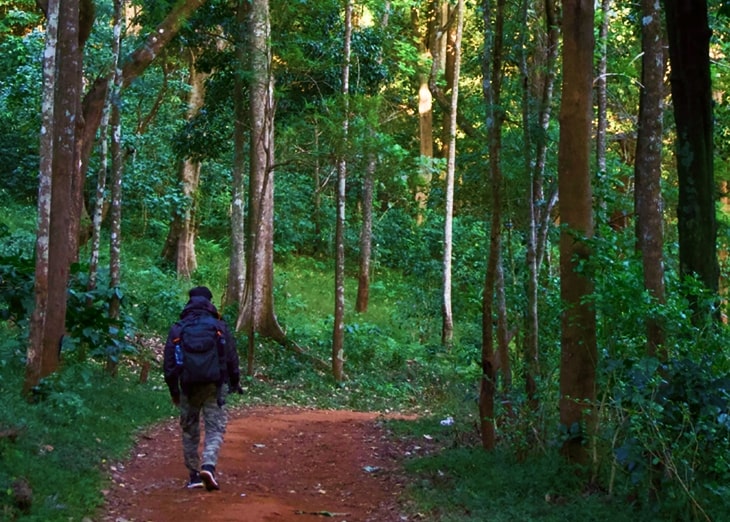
column 200, row 359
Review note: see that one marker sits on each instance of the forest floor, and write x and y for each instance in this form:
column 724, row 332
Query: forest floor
column 276, row 464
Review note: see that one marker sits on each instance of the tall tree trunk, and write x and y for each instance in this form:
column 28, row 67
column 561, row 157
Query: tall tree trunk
column 63, row 226
column 180, row 243
column 601, row 87
column 34, row 369
column 237, row 263
column 447, row 330
column 578, row 338
column 338, row 331
column 422, row 183
column 647, row 168
column 256, row 313
column 115, row 240
column 366, row 234
column 491, row 87
column 99, row 197
column 688, row 36
column 540, row 207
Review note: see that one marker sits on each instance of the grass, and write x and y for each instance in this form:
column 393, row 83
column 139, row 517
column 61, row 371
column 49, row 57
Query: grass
column 59, row 445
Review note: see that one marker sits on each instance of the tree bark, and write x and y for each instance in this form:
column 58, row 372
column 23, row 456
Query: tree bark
column 491, row 89
column 578, row 336
column 256, row 313
column 47, row 337
column 688, row 36
column 237, row 263
column 422, row 184
column 338, row 331
column 447, row 332
column 648, row 168
column 540, row 207
column 366, row 235
column 601, row 88
column 35, row 353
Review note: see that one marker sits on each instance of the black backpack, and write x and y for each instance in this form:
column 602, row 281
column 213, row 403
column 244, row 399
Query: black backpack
column 199, row 351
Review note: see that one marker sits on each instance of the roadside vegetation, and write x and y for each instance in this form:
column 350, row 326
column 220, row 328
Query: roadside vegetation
column 59, row 448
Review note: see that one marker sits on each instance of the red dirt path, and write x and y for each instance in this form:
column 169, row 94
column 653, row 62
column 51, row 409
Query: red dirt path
column 276, row 464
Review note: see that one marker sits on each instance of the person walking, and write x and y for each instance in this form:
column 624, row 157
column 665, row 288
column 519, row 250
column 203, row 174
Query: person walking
column 200, row 358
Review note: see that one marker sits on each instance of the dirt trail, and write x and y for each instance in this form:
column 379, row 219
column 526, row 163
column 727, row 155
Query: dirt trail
column 277, row 464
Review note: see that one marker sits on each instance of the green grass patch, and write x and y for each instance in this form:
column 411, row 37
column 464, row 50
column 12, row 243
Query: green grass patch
column 58, row 445
column 469, row 484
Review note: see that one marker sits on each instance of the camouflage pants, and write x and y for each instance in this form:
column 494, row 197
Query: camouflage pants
column 202, row 398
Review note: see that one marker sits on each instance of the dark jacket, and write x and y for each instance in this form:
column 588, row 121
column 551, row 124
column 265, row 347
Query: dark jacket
column 197, row 306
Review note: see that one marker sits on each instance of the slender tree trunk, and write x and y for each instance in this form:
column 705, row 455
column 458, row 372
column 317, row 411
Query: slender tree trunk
column 578, row 340
column 647, row 169
column 237, row 263
column 99, row 197
column 447, row 332
column 601, row 87
column 256, row 313
column 491, row 87
column 688, row 36
column 366, row 234
column 338, row 334
column 115, row 240
column 540, row 207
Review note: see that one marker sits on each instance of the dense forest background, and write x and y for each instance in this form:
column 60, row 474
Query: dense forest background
column 518, row 207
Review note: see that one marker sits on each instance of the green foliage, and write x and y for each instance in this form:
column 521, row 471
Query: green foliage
column 673, row 432
column 90, row 329
column 17, row 269
column 20, row 74
column 457, row 483
column 82, row 420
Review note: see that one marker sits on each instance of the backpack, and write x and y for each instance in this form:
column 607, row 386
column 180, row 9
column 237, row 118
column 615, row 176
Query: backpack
column 199, row 351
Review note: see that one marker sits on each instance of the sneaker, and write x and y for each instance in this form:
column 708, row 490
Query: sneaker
column 207, row 474
column 195, row 481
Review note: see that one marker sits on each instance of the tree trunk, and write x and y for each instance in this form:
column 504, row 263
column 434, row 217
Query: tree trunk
column 237, row 263
column 256, row 313
column 63, row 227
column 366, row 235
column 447, row 332
column 422, row 183
column 689, row 59
column 35, row 353
column 492, row 87
column 647, row 168
column 99, row 198
column 540, row 208
column 115, row 240
column 180, row 243
column 601, row 88
column 578, row 339
column 338, row 331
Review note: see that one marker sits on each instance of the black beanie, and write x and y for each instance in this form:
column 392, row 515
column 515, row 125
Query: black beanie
column 201, row 291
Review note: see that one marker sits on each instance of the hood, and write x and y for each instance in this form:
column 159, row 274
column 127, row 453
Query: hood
column 198, row 306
